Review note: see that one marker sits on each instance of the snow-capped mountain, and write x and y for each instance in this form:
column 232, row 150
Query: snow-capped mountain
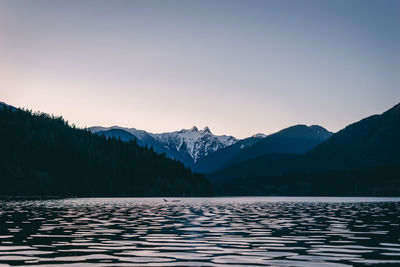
column 297, row 139
column 205, row 152
column 186, row 145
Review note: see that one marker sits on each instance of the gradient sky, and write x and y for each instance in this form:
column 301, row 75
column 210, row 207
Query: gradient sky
column 240, row 67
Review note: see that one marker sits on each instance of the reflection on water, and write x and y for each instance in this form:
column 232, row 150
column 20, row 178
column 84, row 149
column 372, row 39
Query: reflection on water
column 201, row 232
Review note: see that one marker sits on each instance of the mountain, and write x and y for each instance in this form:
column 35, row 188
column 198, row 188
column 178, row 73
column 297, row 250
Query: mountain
column 4, row 105
column 370, row 142
column 205, row 152
column 214, row 160
column 187, row 146
column 363, row 159
column 298, row 139
column 43, row 155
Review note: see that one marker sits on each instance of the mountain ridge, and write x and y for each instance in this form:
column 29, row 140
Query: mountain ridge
column 205, row 152
column 372, row 141
column 361, row 159
column 186, row 145
column 296, row 139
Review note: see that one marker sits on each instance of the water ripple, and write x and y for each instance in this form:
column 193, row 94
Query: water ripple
column 201, row 232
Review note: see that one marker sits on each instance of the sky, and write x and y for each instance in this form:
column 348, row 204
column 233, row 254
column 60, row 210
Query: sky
column 239, row 67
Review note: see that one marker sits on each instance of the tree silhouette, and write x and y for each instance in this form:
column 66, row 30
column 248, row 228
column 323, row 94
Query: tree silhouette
column 43, row 155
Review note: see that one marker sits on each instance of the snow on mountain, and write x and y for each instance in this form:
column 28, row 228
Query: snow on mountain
column 187, row 145
column 205, row 152
column 197, row 143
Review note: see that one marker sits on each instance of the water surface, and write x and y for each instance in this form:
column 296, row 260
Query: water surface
column 259, row 231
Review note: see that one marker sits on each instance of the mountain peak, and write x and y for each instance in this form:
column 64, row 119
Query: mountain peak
column 313, row 131
column 194, row 129
column 206, row 130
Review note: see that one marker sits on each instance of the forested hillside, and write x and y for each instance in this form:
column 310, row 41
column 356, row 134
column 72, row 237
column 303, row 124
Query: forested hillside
column 362, row 159
column 43, row 155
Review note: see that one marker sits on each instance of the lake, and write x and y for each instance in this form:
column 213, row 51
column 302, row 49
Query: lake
column 231, row 231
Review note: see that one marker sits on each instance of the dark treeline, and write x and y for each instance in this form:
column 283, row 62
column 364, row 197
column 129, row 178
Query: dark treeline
column 376, row 181
column 43, row 155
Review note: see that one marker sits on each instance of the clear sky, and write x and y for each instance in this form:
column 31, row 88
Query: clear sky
column 239, row 67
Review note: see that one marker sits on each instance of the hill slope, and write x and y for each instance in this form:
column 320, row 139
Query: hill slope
column 298, row 139
column 43, row 155
column 214, row 160
column 186, row 145
column 371, row 142
column 362, row 159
